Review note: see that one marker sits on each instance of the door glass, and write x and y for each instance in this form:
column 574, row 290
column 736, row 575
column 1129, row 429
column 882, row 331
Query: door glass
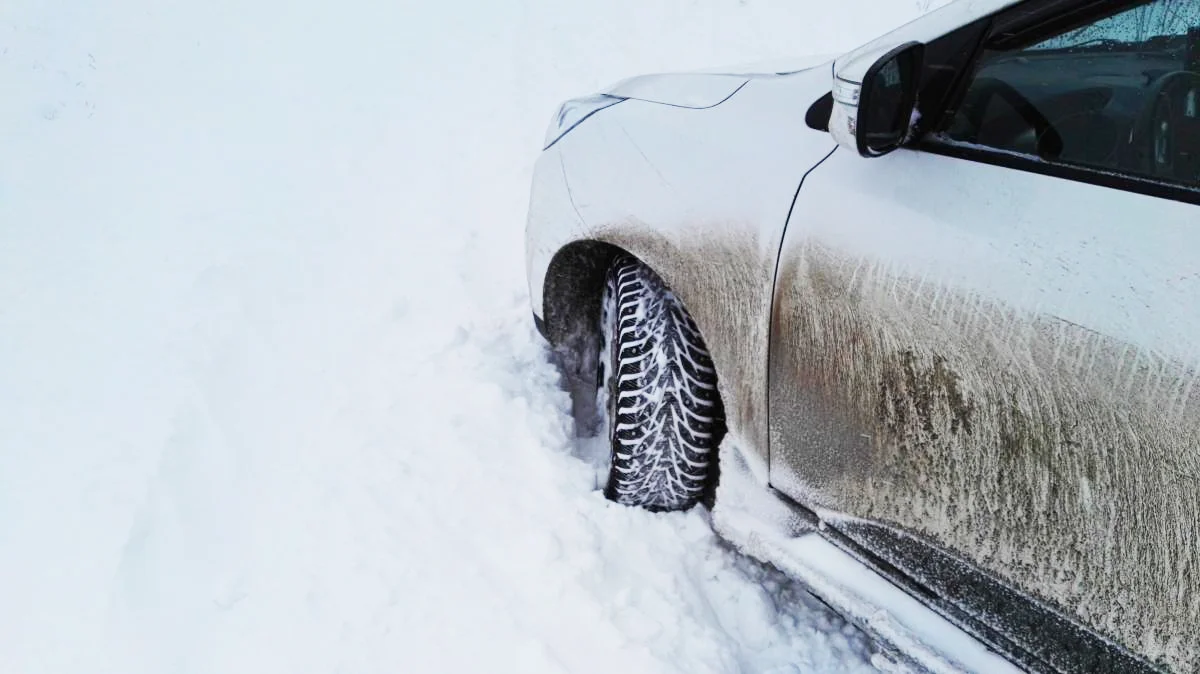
column 1118, row 92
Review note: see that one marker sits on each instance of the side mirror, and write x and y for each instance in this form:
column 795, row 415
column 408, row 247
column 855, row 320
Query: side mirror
column 872, row 112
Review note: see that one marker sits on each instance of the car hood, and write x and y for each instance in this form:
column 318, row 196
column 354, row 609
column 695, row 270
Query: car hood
column 706, row 89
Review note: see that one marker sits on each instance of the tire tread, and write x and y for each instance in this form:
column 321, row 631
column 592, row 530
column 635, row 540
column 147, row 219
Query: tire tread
column 658, row 393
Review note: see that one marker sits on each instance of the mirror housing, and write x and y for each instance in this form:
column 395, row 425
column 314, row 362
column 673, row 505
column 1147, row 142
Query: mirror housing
column 872, row 112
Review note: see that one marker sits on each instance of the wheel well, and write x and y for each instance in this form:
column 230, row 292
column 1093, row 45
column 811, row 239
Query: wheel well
column 572, row 294
column 573, row 289
column 571, row 297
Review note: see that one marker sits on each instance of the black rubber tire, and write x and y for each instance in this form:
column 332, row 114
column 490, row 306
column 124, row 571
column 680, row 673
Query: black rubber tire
column 658, row 394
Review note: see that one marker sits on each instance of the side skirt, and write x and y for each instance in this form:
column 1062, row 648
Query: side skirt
column 1028, row 631
column 932, row 611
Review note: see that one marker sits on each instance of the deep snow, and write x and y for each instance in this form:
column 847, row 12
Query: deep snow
column 270, row 396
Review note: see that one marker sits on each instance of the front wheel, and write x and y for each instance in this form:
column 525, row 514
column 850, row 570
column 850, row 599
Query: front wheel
column 657, row 394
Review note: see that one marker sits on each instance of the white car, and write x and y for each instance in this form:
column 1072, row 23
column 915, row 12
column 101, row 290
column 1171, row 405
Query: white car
column 934, row 304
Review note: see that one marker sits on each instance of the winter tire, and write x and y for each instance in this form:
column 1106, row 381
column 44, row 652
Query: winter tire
column 657, row 394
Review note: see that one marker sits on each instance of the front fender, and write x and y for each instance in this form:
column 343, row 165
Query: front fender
column 700, row 195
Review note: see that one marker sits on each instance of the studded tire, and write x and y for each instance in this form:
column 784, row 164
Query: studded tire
column 657, row 394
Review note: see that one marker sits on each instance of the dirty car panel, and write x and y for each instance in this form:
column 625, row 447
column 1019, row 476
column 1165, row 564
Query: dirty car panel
column 699, row 195
column 1002, row 365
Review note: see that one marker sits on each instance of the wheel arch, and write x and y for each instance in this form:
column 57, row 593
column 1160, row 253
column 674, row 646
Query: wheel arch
column 572, row 291
column 723, row 278
column 573, row 287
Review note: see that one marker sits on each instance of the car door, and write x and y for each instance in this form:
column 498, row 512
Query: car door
column 984, row 346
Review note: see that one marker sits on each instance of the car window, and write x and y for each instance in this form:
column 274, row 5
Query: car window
column 1117, row 92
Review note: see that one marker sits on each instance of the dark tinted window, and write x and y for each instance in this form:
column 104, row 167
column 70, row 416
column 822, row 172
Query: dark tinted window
column 1118, row 92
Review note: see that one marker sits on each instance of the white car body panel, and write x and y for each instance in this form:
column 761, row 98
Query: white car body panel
column 1076, row 300
column 711, row 234
column 707, row 88
column 1122, row 264
column 685, row 90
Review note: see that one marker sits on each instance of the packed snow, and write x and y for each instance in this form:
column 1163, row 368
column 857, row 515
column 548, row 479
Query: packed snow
column 270, row 395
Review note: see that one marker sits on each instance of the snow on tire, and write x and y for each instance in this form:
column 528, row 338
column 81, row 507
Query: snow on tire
column 657, row 394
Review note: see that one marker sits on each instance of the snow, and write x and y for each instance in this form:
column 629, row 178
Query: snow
column 270, row 396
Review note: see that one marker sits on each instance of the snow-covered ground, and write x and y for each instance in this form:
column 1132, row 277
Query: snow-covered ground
column 270, row 396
